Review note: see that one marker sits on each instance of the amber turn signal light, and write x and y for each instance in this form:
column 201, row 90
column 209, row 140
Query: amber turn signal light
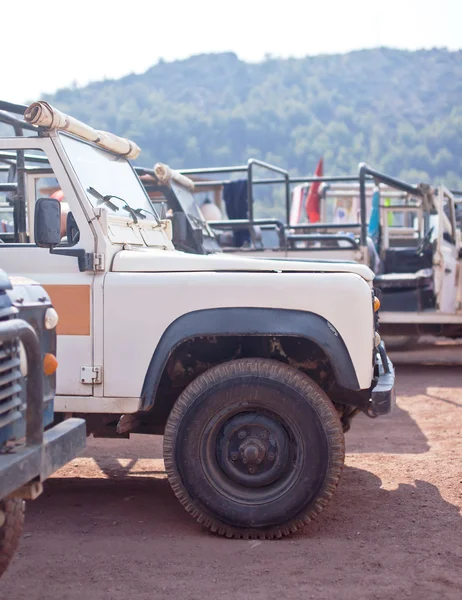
column 50, row 364
column 376, row 304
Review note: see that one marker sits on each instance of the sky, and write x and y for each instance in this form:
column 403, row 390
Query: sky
column 83, row 41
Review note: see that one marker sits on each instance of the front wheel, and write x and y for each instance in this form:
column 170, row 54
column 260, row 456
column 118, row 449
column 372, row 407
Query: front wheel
column 11, row 525
column 253, row 448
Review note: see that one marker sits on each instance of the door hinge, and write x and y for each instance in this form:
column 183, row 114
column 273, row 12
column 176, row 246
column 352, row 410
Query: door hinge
column 90, row 375
column 98, row 262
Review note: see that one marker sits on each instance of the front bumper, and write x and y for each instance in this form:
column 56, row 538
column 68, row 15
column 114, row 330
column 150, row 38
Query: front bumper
column 383, row 395
column 61, row 443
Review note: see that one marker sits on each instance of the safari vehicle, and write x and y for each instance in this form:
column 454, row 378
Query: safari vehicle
column 251, row 369
column 415, row 254
column 31, row 449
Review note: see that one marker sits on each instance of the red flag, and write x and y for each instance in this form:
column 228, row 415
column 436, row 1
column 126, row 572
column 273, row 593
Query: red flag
column 313, row 200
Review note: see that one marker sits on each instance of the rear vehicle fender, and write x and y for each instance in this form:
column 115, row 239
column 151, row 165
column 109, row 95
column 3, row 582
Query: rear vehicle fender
column 268, row 322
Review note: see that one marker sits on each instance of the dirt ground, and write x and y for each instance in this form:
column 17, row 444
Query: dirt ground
column 109, row 528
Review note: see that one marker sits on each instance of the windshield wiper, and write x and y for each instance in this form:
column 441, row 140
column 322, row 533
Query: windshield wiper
column 140, row 211
column 102, row 199
column 107, row 200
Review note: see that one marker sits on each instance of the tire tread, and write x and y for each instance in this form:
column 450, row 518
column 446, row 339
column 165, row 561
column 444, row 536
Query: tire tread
column 11, row 530
column 299, row 382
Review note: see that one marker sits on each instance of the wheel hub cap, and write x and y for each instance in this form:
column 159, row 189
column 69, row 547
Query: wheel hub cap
column 253, row 449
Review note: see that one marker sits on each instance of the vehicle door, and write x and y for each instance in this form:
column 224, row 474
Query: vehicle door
column 70, row 289
column 447, row 260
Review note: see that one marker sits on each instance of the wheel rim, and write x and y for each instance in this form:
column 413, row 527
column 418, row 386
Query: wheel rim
column 251, row 457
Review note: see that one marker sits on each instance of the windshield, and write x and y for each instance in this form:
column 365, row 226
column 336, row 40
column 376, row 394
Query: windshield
column 190, row 207
column 110, row 175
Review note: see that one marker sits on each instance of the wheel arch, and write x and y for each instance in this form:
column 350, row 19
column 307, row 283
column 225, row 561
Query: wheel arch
column 222, row 322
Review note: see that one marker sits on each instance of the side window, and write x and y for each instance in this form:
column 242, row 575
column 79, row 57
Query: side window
column 19, row 190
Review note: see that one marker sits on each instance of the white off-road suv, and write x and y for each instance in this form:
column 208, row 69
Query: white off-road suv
column 251, row 369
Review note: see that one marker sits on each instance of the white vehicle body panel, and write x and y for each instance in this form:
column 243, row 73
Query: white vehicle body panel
column 163, row 297
column 60, row 277
column 146, row 259
column 89, row 404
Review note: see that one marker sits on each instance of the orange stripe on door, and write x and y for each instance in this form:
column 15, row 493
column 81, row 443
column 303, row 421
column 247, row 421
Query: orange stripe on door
column 72, row 302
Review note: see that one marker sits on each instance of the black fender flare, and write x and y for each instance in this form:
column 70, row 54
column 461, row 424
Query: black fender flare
column 249, row 321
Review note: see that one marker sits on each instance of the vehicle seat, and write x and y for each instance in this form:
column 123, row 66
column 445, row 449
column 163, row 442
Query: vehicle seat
column 407, row 260
column 406, row 292
column 404, row 280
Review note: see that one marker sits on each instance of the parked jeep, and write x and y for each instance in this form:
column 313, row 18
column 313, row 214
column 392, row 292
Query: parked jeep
column 408, row 234
column 251, row 369
column 30, row 448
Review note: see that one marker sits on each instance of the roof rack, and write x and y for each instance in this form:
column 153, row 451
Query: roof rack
column 10, row 157
column 7, row 109
column 286, row 179
column 365, row 176
column 41, row 117
column 17, row 109
column 8, row 115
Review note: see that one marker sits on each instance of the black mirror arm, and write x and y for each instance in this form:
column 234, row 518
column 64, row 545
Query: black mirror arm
column 85, row 260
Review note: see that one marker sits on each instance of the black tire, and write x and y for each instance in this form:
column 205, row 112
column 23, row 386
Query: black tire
column 254, row 448
column 10, row 530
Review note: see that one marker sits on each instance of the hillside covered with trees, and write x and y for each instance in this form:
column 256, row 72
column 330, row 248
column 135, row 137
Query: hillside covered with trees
column 399, row 111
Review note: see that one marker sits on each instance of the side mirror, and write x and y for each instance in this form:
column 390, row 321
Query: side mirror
column 47, row 222
column 198, row 235
column 184, row 237
column 180, row 229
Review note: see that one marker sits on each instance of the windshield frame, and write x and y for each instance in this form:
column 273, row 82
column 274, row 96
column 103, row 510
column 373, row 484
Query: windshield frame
column 148, row 205
column 197, row 221
column 209, row 244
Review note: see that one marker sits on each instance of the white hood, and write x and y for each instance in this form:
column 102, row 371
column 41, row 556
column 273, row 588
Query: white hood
column 150, row 260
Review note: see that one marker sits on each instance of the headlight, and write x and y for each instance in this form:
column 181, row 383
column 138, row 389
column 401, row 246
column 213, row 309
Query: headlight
column 23, row 360
column 51, row 318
